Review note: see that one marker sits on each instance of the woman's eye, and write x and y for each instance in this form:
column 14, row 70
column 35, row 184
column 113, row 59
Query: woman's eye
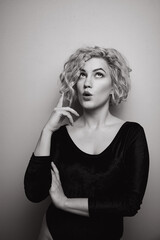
column 82, row 75
column 99, row 75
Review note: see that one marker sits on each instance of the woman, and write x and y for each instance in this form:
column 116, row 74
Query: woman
column 94, row 167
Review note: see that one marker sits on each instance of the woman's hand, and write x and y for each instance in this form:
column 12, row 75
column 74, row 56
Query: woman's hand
column 58, row 115
column 56, row 191
column 56, row 120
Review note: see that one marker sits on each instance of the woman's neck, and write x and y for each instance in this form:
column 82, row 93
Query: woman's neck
column 93, row 119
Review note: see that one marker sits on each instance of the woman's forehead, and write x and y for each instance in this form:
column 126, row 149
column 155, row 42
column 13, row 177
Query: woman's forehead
column 94, row 63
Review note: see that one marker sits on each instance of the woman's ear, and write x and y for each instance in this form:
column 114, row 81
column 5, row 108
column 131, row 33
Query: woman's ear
column 112, row 91
column 112, row 96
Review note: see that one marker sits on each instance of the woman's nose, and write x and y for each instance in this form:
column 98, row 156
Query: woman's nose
column 88, row 82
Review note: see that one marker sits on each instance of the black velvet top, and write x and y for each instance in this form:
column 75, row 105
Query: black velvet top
column 114, row 182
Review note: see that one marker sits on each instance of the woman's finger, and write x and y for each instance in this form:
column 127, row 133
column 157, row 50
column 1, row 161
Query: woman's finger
column 68, row 115
column 71, row 110
column 53, row 176
column 55, row 170
column 54, row 182
column 60, row 102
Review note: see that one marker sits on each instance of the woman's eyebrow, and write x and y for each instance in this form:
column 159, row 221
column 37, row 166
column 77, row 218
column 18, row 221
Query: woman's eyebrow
column 82, row 70
column 99, row 69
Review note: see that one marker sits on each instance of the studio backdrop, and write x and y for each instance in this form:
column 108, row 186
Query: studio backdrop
column 37, row 36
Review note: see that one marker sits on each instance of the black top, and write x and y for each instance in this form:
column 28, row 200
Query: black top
column 114, row 182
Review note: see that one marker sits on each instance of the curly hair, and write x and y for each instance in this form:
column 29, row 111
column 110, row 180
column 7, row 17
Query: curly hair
column 118, row 67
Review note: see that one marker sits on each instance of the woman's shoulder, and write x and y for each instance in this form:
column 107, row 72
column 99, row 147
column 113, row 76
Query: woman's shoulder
column 126, row 124
column 134, row 125
column 133, row 131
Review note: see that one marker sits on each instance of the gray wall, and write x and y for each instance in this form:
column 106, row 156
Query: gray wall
column 37, row 36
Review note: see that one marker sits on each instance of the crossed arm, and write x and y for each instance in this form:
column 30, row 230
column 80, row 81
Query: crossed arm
column 73, row 205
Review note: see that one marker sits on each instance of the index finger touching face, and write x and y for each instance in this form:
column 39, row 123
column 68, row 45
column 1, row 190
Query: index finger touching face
column 60, row 102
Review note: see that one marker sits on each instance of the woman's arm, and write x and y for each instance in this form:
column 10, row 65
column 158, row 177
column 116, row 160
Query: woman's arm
column 37, row 180
column 77, row 206
column 73, row 205
column 44, row 143
column 55, row 121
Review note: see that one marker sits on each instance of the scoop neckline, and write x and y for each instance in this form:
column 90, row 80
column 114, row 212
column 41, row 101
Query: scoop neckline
column 103, row 151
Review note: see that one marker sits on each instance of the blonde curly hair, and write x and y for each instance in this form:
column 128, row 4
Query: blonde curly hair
column 118, row 67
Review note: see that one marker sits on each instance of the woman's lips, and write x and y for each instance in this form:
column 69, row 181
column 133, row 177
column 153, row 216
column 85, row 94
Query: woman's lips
column 87, row 95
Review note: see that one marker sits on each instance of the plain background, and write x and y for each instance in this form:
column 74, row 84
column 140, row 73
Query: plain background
column 37, row 37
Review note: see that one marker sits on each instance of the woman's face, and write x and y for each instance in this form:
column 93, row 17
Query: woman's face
column 94, row 85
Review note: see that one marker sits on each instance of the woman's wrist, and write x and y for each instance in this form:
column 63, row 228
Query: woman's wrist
column 46, row 130
column 49, row 129
column 43, row 145
column 76, row 205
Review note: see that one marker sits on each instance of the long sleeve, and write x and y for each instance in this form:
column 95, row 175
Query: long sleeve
column 136, row 167
column 37, row 180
